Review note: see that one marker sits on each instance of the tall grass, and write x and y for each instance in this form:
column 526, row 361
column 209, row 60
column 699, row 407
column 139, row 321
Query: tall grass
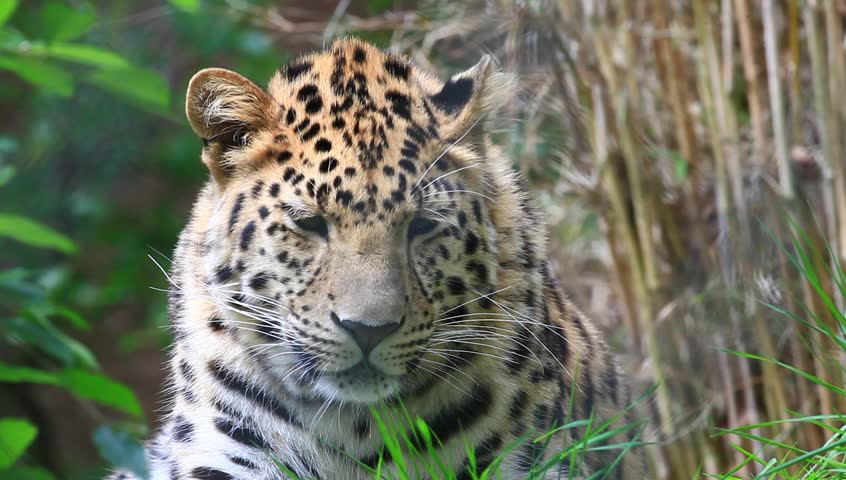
column 780, row 455
column 412, row 451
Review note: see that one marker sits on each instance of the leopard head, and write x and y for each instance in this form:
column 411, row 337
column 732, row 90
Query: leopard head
column 348, row 235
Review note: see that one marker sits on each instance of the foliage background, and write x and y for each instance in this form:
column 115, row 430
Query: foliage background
column 667, row 141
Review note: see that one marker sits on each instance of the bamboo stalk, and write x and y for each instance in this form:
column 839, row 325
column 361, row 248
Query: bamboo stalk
column 829, row 122
column 724, row 138
column 837, row 82
column 776, row 108
column 798, row 352
column 727, row 44
column 811, row 403
column 750, row 73
column 794, row 70
column 827, row 125
column 639, row 248
column 727, row 125
column 620, row 224
column 721, row 192
column 672, row 75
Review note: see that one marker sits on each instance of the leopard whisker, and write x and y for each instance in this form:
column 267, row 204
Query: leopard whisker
column 443, row 217
column 447, row 365
column 491, row 355
column 542, row 344
column 441, row 376
column 481, row 296
column 446, row 150
column 486, row 197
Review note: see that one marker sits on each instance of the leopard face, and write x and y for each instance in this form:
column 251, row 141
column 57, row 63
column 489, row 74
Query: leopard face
column 348, row 243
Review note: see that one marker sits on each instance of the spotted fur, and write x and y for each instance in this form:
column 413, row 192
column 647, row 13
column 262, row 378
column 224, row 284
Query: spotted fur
column 359, row 190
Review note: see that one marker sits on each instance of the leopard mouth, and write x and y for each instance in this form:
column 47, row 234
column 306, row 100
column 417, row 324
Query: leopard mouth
column 362, row 369
column 361, row 383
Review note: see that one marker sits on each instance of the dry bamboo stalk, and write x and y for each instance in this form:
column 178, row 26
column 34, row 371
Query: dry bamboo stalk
column 798, row 352
column 638, row 245
column 776, row 107
column 827, row 127
column 823, row 83
column 775, row 396
column 726, row 137
column 825, row 117
column 673, row 77
column 706, row 96
column 750, row 73
column 837, row 82
column 828, row 400
column 644, row 245
column 834, row 40
column 731, row 409
column 727, row 125
column 794, row 70
column 727, row 44
column 822, row 402
column 627, row 45
column 619, row 223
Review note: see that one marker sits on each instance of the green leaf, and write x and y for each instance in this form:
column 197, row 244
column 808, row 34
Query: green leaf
column 74, row 317
column 120, row 449
column 26, row 473
column 85, row 384
column 17, row 282
column 101, row 389
column 141, row 86
column 41, row 74
column 8, row 145
column 15, row 437
column 35, row 234
column 6, row 174
column 85, row 54
column 16, row 374
column 682, row 167
column 191, row 6
column 41, row 334
column 379, row 6
column 61, row 23
column 680, row 163
column 7, row 8
column 11, row 39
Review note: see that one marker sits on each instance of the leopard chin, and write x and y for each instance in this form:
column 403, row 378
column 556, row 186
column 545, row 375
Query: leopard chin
column 359, row 385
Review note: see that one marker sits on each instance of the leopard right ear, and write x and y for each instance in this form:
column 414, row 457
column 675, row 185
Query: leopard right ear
column 224, row 109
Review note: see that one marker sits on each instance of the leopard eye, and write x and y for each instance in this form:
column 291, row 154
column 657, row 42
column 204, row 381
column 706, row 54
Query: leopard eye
column 314, row 224
column 420, row 226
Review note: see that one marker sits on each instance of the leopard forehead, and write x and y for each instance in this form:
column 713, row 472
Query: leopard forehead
column 355, row 128
column 374, row 102
column 363, row 99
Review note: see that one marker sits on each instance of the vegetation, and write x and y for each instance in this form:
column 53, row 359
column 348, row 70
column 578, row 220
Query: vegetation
column 689, row 156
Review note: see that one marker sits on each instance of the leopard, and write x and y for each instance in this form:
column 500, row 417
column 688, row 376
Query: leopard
column 362, row 245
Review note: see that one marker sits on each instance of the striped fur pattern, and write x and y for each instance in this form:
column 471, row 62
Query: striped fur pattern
column 357, row 186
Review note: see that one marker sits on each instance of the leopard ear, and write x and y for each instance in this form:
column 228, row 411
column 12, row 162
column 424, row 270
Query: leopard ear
column 224, row 108
column 465, row 99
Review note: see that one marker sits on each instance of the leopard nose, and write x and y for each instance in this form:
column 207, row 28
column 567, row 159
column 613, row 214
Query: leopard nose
column 367, row 336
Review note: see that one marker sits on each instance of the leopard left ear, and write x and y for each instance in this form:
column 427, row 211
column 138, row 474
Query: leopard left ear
column 465, row 99
column 224, row 109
